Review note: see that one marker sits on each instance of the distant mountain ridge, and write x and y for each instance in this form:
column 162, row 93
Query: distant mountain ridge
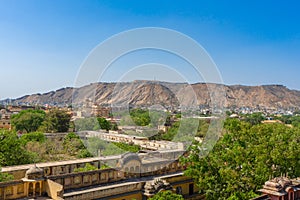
column 145, row 93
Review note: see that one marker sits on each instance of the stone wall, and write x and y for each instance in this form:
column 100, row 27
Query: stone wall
column 59, row 178
column 54, row 190
column 12, row 190
column 104, row 192
column 84, row 179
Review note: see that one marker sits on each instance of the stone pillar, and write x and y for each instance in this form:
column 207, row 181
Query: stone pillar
column 33, row 185
column 4, row 193
column 26, row 189
column 41, row 187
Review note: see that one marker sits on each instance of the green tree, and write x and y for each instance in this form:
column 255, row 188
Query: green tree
column 95, row 145
column 167, row 195
column 84, row 153
column 127, row 147
column 287, row 119
column 104, row 124
column 33, row 137
column 5, row 176
column 295, row 121
column 111, row 149
column 35, row 144
column 184, row 130
column 56, row 121
column 104, row 166
column 140, row 117
column 127, row 121
column 202, row 128
column 158, row 117
column 38, row 151
column 12, row 151
column 87, row 124
column 170, row 134
column 254, row 118
column 243, row 159
column 114, row 126
column 74, row 146
column 86, row 168
column 28, row 120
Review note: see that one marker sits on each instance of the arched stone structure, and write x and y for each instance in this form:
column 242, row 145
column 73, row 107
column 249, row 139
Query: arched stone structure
column 153, row 187
column 130, row 163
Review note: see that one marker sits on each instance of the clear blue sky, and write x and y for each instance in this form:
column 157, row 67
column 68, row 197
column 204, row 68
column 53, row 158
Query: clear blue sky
column 44, row 42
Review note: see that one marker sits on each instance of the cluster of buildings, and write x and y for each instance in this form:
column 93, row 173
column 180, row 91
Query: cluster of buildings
column 280, row 188
column 7, row 112
column 143, row 142
column 91, row 109
column 131, row 176
column 266, row 111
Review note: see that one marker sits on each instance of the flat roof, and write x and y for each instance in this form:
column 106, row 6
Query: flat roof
column 118, row 184
column 272, row 192
column 58, row 163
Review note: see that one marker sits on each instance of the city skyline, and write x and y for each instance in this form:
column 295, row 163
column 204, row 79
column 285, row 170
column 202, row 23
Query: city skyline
column 44, row 43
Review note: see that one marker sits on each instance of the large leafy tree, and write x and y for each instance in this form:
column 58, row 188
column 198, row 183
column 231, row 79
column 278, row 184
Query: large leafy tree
column 185, row 130
column 167, row 195
column 74, row 146
column 28, row 120
column 33, row 137
column 244, row 158
column 104, row 124
column 35, row 144
column 56, row 120
column 140, row 117
column 12, row 151
column 254, row 118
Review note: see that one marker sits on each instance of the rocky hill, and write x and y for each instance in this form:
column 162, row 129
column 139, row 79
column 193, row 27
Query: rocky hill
column 147, row 93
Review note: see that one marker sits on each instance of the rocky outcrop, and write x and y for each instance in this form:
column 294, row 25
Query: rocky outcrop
column 145, row 93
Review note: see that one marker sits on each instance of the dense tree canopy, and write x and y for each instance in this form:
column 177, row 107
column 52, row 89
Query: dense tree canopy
column 33, row 137
column 127, row 147
column 74, row 146
column 143, row 117
column 184, row 130
column 35, row 147
column 87, row 124
column 99, row 147
column 244, row 158
column 86, row 168
column 5, row 176
column 12, row 151
column 167, row 195
column 140, row 117
column 289, row 119
column 104, row 124
column 28, row 120
column 93, row 124
column 56, row 121
column 254, row 118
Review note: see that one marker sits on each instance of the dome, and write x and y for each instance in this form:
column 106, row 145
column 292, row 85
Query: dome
column 125, row 158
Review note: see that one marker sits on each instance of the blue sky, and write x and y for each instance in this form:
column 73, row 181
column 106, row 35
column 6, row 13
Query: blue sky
column 44, row 42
